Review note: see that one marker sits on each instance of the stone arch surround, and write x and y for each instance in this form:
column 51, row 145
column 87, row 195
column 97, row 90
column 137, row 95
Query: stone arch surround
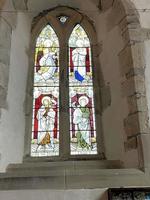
column 132, row 68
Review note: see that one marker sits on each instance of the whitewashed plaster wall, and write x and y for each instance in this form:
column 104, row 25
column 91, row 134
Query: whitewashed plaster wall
column 12, row 127
column 13, row 118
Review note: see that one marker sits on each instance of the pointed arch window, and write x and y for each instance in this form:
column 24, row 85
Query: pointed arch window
column 63, row 111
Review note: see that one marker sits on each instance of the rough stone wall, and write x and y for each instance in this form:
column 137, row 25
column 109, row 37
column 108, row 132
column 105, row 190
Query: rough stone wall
column 14, row 38
column 143, row 8
column 125, row 16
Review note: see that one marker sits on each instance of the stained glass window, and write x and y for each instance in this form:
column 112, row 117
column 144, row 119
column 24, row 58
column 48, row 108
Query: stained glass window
column 45, row 120
column 82, row 111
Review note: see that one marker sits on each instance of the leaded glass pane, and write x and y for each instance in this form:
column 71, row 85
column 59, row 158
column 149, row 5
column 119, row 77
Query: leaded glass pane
column 47, row 38
column 79, row 38
column 82, row 111
column 80, row 70
column 45, row 120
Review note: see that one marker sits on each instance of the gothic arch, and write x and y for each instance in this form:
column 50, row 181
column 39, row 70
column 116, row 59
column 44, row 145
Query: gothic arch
column 132, row 67
column 39, row 22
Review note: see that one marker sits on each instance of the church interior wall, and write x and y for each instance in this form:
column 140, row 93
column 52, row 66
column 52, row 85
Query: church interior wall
column 111, row 42
column 12, row 119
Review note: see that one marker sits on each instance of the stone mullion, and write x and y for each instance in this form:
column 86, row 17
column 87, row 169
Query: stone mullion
column 64, row 102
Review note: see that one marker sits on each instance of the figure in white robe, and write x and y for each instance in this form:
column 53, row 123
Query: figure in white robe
column 79, row 61
column 81, row 119
column 47, row 65
column 46, row 118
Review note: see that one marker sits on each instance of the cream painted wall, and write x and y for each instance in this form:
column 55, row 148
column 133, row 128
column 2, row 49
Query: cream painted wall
column 13, row 120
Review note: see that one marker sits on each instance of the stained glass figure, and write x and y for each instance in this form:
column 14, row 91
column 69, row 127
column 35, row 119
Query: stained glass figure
column 45, row 123
column 82, row 112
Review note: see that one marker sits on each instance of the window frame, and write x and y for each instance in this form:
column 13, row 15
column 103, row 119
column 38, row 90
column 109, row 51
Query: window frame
column 63, row 31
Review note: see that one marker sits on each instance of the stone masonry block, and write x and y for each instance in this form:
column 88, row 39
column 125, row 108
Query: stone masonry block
column 131, row 125
column 129, row 22
column 130, row 144
column 134, row 85
column 137, row 103
column 146, row 33
column 129, row 7
column 136, row 72
column 144, row 122
column 132, row 56
column 139, row 85
column 132, row 35
column 136, row 123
